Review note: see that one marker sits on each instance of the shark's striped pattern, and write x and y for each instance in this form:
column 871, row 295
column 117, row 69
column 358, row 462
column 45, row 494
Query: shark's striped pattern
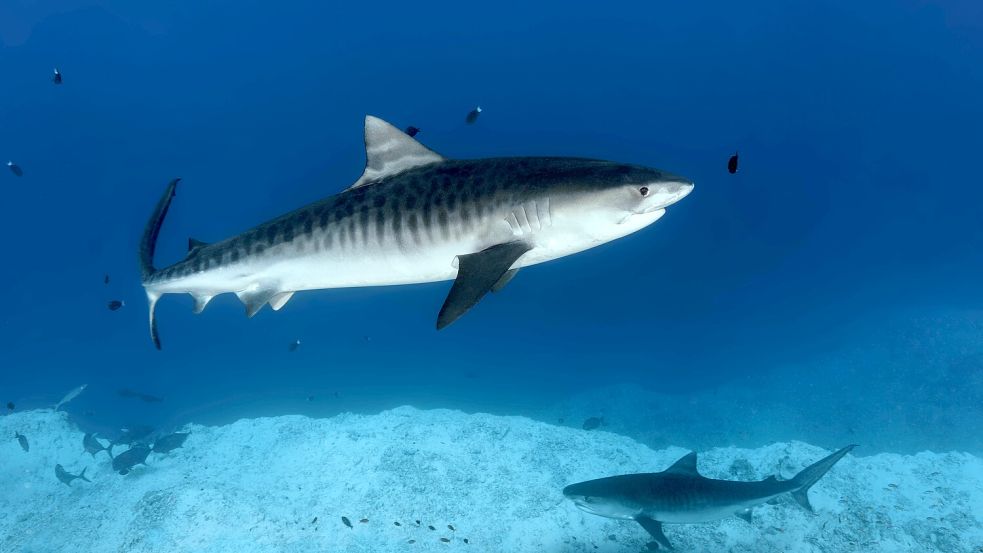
column 408, row 218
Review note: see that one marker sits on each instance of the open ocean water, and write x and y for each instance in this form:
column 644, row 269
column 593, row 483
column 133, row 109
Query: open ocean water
column 827, row 292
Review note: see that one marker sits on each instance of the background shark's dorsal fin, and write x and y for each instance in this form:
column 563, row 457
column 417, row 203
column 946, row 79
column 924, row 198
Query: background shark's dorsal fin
column 685, row 465
column 389, row 151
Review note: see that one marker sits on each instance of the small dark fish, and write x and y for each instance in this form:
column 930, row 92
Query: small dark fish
column 418, row 523
column 412, row 131
column 126, row 392
column 169, row 443
column 115, row 304
column 451, row 528
column 431, row 527
column 56, row 78
column 105, row 279
column 314, row 521
column 466, row 540
column 732, row 164
column 67, row 478
column 136, row 455
column 593, row 422
column 473, row 115
column 364, row 520
column 445, row 540
column 294, row 345
column 411, row 541
column 22, row 440
column 347, row 522
column 10, row 405
column 93, row 446
column 397, row 524
column 15, row 169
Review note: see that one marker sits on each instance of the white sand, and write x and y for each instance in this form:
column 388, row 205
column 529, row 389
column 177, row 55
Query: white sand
column 256, row 485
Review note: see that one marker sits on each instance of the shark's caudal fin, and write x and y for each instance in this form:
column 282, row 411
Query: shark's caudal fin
column 147, row 246
column 82, row 476
column 811, row 474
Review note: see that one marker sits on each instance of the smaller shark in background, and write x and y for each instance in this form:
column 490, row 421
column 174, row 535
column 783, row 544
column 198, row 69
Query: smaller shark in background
column 681, row 495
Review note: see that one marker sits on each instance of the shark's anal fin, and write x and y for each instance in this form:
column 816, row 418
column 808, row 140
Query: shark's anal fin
column 744, row 514
column 254, row 300
column 279, row 300
column 506, row 278
column 654, row 528
column 477, row 273
column 201, row 300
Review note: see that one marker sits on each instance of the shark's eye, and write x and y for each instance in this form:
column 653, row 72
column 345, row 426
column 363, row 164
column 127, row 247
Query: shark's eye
column 587, row 499
column 644, row 191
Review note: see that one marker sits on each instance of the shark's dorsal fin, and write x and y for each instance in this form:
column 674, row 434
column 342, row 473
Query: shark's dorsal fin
column 685, row 465
column 390, row 151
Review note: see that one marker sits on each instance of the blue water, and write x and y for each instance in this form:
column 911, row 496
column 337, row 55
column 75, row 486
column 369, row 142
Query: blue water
column 852, row 226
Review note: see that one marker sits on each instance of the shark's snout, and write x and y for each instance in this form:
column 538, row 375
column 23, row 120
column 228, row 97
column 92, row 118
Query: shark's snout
column 664, row 193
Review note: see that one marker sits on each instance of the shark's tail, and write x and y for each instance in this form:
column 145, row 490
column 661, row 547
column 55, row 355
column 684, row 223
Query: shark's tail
column 82, row 476
column 811, row 474
column 147, row 246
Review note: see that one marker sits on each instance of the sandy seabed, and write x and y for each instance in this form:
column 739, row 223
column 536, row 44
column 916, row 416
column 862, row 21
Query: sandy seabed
column 484, row 483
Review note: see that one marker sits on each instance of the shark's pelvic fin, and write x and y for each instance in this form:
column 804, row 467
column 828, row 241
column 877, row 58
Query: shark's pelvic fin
column 279, row 300
column 685, row 465
column 654, row 528
column 477, row 273
column 390, row 151
column 744, row 514
column 506, row 278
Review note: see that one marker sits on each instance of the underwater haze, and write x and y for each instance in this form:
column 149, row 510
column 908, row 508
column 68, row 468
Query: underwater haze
column 826, row 293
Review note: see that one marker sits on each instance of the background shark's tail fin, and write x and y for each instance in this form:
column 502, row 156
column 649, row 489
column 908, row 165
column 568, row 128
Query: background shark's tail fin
column 811, row 474
column 148, row 244
column 82, row 476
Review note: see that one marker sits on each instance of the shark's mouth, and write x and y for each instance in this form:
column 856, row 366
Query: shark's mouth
column 584, row 507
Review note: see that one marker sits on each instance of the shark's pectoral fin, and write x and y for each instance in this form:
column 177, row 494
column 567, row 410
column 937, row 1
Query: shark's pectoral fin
column 744, row 514
column 506, row 278
column 477, row 273
column 654, row 528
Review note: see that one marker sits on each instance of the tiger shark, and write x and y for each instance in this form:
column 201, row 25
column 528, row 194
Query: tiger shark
column 415, row 216
column 680, row 494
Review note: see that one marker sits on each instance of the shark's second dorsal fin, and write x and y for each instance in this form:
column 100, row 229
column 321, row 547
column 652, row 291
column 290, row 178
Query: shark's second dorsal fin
column 194, row 245
column 685, row 465
column 390, row 151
